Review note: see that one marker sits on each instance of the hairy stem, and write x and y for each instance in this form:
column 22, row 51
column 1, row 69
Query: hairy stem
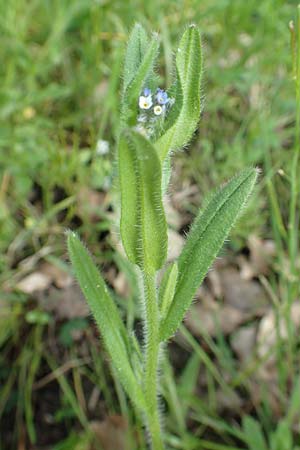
column 151, row 362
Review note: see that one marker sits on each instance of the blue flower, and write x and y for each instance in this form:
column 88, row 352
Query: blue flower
column 147, row 92
column 162, row 97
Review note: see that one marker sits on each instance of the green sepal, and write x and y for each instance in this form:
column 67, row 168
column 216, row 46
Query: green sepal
column 143, row 224
column 189, row 72
column 105, row 312
column 204, row 242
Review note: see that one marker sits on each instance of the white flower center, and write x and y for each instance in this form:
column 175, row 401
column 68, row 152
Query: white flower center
column 145, row 102
column 157, row 110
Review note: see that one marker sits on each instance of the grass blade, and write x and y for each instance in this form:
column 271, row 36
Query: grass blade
column 253, row 434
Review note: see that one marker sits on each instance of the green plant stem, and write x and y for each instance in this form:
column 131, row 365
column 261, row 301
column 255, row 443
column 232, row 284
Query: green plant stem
column 293, row 242
column 151, row 361
column 293, row 231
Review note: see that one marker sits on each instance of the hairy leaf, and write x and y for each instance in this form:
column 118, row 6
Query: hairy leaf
column 143, row 224
column 142, row 74
column 167, row 288
column 135, row 52
column 175, row 93
column 205, row 240
column 106, row 315
column 189, row 72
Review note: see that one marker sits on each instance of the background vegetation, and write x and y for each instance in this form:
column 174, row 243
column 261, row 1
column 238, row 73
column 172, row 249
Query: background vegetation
column 59, row 106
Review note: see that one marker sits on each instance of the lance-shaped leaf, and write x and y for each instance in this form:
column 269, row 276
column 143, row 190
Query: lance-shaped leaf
column 189, row 72
column 143, row 74
column 143, row 223
column 106, row 315
column 204, row 242
column 135, row 52
column 167, row 288
column 175, row 93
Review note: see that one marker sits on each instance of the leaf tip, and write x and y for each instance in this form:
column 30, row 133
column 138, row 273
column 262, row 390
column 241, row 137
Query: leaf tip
column 258, row 170
column 70, row 234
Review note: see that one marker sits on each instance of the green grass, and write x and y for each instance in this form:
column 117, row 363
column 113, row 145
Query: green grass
column 59, row 85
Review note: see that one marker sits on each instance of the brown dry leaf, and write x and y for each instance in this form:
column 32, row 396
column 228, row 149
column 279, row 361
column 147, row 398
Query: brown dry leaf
column 175, row 244
column 261, row 253
column 89, row 202
column 247, row 271
column 214, row 282
column 187, row 194
column 174, row 219
column 59, row 277
column 210, row 316
column 243, row 342
column 110, row 433
column 242, row 301
column 268, row 331
column 65, row 303
column 119, row 282
column 247, row 296
column 37, row 281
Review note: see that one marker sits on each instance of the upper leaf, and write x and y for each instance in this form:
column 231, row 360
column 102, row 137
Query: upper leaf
column 143, row 223
column 135, row 52
column 189, row 72
column 143, row 74
column 106, row 315
column 205, row 240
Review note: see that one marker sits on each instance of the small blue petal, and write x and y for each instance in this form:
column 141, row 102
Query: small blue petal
column 147, row 92
column 162, row 97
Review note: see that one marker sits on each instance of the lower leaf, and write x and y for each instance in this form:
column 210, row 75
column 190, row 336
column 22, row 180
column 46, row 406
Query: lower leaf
column 106, row 315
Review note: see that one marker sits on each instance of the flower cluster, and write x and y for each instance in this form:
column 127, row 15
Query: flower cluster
column 152, row 107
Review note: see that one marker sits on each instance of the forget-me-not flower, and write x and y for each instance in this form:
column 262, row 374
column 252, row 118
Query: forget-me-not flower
column 147, row 92
column 158, row 110
column 145, row 102
column 152, row 105
column 162, row 97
